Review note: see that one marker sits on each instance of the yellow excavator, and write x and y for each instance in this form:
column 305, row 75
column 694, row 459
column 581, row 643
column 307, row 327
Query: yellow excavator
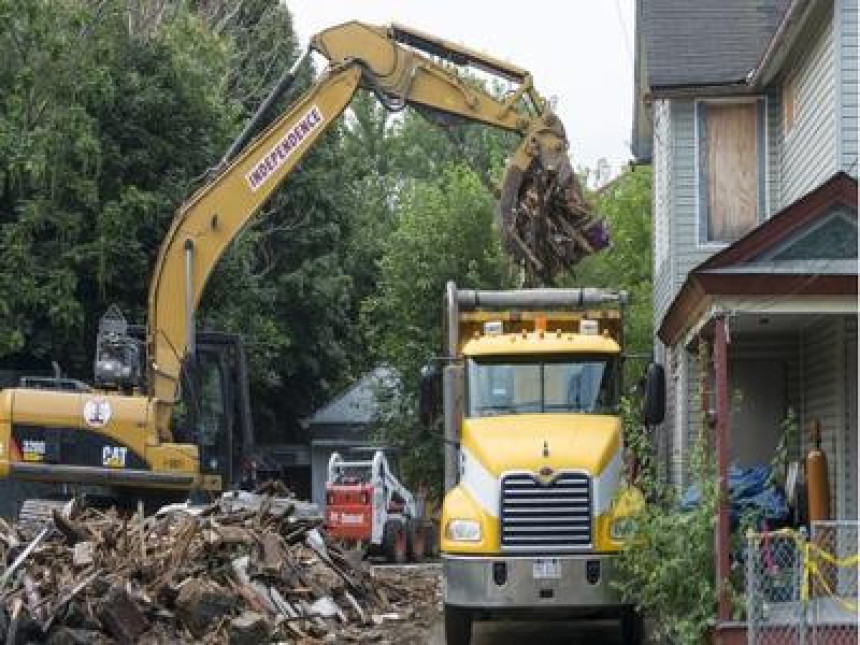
column 120, row 433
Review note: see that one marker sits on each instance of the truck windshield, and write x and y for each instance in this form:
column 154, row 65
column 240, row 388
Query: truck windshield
column 504, row 386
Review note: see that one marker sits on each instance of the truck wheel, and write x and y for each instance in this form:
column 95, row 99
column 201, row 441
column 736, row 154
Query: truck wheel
column 394, row 541
column 417, row 543
column 631, row 627
column 458, row 625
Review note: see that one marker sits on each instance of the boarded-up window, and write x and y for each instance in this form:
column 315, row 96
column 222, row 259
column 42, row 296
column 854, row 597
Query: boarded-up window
column 731, row 163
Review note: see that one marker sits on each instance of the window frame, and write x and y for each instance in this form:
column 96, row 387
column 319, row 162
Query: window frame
column 762, row 124
column 613, row 367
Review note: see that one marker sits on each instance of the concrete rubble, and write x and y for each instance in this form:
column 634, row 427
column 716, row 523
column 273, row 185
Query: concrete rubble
column 248, row 568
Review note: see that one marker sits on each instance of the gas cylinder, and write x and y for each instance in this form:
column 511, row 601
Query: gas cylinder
column 817, row 488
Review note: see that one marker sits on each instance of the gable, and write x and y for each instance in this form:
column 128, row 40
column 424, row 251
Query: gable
column 835, row 198
column 359, row 405
column 807, row 249
column 833, row 237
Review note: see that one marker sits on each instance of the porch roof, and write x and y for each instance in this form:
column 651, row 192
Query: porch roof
column 805, row 252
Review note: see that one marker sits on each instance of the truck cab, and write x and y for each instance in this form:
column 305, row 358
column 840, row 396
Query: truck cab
column 535, row 511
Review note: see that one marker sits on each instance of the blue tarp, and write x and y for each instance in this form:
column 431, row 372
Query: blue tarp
column 749, row 492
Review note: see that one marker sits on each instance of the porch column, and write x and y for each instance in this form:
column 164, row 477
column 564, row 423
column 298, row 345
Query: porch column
column 721, row 384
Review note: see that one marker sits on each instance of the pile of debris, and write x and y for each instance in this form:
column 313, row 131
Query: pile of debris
column 249, row 568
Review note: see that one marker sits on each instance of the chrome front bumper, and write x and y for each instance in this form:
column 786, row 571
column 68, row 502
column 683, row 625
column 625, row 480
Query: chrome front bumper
column 470, row 581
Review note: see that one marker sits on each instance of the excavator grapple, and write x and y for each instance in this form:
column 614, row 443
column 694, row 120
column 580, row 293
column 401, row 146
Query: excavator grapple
column 545, row 223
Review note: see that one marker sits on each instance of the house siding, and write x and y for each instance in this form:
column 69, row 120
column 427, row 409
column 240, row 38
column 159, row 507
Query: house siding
column 823, row 385
column 675, row 426
column 663, row 212
column 847, row 19
column 685, row 248
column 773, row 125
column 808, row 158
column 849, row 455
column 742, row 348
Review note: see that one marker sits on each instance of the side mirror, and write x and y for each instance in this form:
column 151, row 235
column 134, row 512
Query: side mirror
column 654, row 396
column 429, row 395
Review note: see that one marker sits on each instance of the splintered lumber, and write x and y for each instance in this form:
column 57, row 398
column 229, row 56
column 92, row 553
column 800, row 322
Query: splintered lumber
column 248, row 568
column 249, row 628
column 121, row 617
column 547, row 227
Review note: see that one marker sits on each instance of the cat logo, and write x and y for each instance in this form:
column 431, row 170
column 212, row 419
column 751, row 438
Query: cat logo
column 97, row 413
column 114, row 456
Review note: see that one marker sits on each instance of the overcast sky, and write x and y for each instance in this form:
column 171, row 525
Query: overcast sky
column 578, row 51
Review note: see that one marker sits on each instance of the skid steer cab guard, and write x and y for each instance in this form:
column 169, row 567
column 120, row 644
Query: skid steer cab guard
column 367, row 507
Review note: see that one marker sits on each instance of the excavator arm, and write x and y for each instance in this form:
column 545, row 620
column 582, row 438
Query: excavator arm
column 393, row 63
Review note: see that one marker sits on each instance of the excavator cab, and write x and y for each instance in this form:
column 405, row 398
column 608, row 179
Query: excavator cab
column 214, row 411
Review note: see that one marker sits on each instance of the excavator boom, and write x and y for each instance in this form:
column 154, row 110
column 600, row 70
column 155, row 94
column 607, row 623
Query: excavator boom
column 542, row 217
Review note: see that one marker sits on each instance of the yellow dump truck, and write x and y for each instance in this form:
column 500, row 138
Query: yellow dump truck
column 535, row 510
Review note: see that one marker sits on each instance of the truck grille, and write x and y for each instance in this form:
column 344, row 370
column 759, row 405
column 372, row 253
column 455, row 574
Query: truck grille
column 538, row 516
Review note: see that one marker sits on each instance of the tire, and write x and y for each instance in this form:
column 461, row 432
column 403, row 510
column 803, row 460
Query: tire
column 631, row 627
column 458, row 625
column 416, row 545
column 394, row 542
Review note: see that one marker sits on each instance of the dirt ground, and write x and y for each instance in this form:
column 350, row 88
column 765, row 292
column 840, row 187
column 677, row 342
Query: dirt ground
column 424, row 624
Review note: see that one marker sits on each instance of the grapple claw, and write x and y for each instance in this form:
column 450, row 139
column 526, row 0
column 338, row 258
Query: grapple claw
column 543, row 217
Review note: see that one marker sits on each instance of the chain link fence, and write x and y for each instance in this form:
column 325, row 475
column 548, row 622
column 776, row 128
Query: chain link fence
column 802, row 589
column 832, row 570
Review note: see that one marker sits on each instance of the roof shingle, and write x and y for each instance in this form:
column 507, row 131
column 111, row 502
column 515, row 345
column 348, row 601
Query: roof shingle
column 706, row 42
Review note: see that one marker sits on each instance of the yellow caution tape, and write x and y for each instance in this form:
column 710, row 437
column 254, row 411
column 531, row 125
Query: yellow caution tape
column 812, row 554
column 850, row 561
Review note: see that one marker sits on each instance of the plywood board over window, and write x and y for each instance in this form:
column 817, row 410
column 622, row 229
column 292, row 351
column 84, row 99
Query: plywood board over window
column 731, row 159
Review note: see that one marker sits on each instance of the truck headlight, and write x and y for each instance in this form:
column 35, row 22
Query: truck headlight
column 463, row 531
column 622, row 528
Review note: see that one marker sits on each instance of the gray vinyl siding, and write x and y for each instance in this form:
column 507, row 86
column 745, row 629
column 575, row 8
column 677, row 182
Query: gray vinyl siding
column 823, row 393
column 809, row 157
column 849, row 454
column 693, row 404
column 744, row 347
column 846, row 21
column 773, row 123
column 663, row 212
column 686, row 249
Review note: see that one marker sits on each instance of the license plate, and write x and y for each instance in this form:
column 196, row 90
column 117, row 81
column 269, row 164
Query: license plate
column 546, row 568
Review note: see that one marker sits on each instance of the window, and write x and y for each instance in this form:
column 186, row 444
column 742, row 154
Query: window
column 731, row 168
column 507, row 386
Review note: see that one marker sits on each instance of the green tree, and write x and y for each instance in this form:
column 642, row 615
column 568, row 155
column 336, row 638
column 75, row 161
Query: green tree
column 625, row 203
column 111, row 114
column 102, row 129
column 444, row 232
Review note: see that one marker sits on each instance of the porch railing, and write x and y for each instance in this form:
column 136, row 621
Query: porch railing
column 802, row 589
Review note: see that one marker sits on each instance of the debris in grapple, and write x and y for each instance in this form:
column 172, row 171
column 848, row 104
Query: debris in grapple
column 543, row 216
